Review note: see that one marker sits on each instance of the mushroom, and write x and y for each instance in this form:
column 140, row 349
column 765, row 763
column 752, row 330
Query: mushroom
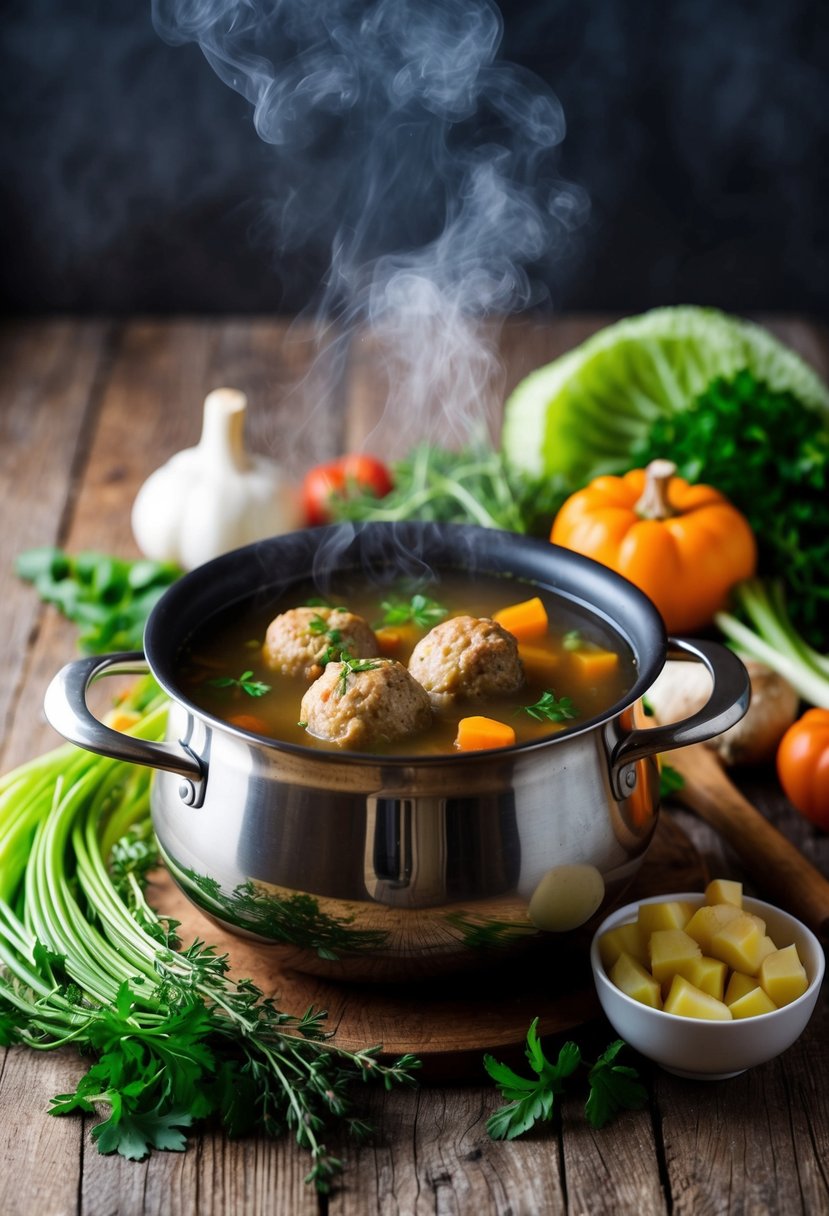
column 682, row 688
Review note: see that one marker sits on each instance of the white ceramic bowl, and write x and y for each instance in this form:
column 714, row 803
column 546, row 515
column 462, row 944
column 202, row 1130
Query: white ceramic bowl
column 703, row 1050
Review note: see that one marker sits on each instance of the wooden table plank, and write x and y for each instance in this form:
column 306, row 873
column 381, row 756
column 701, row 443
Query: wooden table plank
column 433, row 1154
column 49, row 377
column 755, row 1143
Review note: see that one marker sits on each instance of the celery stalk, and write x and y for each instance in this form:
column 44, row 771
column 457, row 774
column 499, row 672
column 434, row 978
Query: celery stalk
column 771, row 638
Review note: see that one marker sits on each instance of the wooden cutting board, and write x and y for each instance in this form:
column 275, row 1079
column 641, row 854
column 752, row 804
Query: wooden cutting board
column 447, row 1022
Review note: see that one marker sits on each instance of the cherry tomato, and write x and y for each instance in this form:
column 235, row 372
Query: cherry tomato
column 803, row 766
column 340, row 477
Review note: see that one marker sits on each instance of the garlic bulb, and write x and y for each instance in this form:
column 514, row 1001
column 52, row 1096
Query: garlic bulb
column 213, row 497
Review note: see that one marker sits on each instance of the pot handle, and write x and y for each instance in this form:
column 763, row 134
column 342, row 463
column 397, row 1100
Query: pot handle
column 727, row 704
column 67, row 710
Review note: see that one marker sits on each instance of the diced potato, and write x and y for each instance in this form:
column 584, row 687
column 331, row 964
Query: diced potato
column 624, row 939
column 739, row 985
column 707, row 921
column 707, row 974
column 691, row 1002
column 672, row 914
column 739, row 943
column 669, row 950
column 635, row 981
column 724, row 891
column 768, row 947
column 754, row 1002
column 783, row 976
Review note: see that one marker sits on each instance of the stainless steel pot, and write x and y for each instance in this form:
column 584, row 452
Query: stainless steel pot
column 384, row 867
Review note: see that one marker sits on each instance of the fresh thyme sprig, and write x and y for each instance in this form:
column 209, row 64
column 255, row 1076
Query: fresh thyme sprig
column 549, row 708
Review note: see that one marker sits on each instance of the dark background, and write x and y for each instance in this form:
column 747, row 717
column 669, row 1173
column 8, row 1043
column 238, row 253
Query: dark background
column 133, row 180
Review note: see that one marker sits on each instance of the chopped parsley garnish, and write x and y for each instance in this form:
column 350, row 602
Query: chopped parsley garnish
column 245, row 682
column 419, row 610
column 549, row 708
column 337, row 650
column 353, row 667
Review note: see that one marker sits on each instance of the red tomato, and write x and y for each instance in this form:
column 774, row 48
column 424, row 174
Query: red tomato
column 339, row 477
column 803, row 766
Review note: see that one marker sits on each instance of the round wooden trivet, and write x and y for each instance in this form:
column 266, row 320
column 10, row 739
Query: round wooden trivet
column 441, row 1020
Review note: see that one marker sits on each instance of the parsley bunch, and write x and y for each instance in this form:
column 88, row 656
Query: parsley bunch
column 612, row 1087
column 84, row 958
column 769, row 454
column 107, row 597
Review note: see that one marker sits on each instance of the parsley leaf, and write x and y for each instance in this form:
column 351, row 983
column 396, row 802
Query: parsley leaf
column 529, row 1101
column 419, row 610
column 613, row 1087
column 353, row 667
column 245, row 682
column 550, row 709
column 107, row 597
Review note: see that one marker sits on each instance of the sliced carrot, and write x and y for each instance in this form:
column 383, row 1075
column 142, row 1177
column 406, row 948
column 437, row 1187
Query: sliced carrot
column 477, row 733
column 539, row 663
column 391, row 639
column 249, row 722
column 526, row 621
column 594, row 664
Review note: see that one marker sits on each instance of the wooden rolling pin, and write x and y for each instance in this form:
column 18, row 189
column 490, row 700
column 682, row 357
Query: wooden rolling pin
column 778, row 866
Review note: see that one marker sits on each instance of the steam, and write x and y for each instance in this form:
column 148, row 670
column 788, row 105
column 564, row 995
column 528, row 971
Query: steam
column 398, row 116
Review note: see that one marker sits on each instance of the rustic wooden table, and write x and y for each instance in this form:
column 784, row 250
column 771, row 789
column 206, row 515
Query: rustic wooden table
column 87, row 410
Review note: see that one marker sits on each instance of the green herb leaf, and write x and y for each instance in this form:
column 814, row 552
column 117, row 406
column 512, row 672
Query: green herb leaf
column 670, row 781
column 529, row 1101
column 769, row 455
column 549, row 708
column 473, row 485
column 351, row 667
column 419, row 610
column 613, row 1087
column 108, row 598
column 245, row 683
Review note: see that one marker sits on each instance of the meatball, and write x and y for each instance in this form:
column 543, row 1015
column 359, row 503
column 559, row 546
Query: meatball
column 467, row 658
column 358, row 705
column 297, row 641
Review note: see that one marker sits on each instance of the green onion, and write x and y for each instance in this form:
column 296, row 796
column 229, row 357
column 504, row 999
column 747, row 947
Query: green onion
column 84, row 958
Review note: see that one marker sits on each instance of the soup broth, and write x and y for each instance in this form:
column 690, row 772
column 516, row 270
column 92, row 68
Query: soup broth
column 577, row 670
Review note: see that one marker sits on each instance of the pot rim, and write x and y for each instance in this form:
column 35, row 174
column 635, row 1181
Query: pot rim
column 167, row 612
